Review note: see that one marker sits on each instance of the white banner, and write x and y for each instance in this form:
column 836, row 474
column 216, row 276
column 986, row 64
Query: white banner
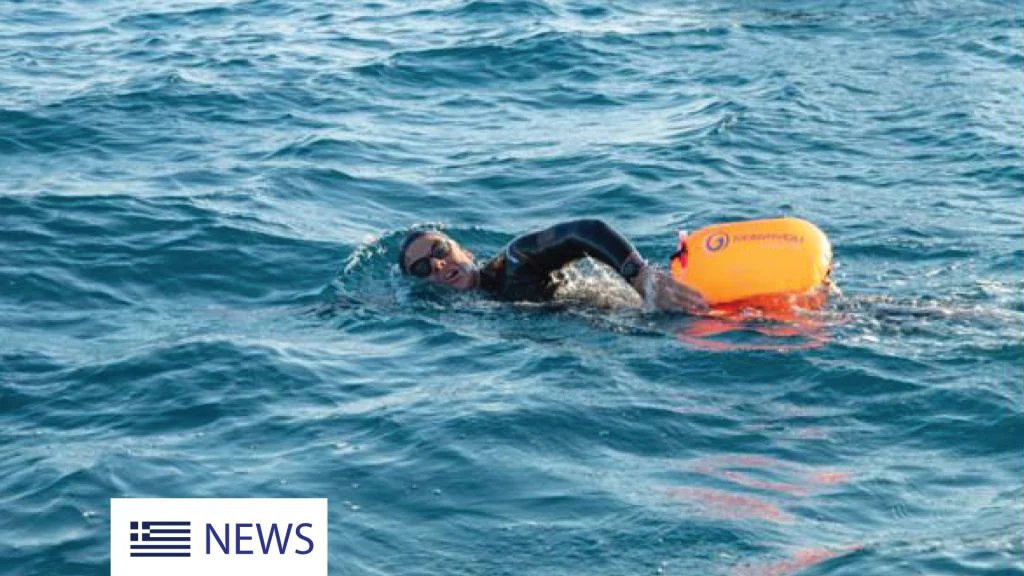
column 217, row 536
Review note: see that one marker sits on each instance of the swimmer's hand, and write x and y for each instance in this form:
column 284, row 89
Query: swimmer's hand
column 662, row 292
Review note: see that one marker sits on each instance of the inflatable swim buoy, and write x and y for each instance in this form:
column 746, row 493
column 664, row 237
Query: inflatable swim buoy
column 773, row 265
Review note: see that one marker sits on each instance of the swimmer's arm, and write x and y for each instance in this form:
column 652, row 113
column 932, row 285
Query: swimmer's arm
column 552, row 248
column 662, row 292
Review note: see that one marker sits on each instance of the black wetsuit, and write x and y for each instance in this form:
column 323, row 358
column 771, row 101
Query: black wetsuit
column 523, row 269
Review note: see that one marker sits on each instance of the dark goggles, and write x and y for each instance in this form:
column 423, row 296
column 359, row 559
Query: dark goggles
column 421, row 267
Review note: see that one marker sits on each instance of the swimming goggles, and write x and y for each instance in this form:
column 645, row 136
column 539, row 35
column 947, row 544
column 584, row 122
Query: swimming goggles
column 421, row 267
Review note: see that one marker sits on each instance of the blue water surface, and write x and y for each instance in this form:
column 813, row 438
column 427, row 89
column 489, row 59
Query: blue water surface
column 200, row 203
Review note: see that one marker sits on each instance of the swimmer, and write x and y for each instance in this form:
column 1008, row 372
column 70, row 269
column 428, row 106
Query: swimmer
column 524, row 269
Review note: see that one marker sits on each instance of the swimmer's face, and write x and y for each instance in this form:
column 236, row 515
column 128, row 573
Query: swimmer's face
column 440, row 260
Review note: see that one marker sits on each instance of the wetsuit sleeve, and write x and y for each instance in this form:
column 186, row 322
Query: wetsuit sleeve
column 552, row 248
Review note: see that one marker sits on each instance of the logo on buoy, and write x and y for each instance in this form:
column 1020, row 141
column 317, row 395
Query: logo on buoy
column 716, row 242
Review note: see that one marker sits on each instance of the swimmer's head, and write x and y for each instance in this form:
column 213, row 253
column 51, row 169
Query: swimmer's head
column 438, row 259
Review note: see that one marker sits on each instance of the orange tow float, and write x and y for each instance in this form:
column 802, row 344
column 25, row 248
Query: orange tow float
column 776, row 266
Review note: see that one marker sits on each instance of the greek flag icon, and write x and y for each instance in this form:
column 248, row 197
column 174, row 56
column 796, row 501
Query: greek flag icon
column 161, row 539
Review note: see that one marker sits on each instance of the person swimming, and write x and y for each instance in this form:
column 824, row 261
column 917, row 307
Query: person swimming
column 524, row 270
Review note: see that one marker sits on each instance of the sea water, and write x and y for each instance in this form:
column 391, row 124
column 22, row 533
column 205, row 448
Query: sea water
column 201, row 201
